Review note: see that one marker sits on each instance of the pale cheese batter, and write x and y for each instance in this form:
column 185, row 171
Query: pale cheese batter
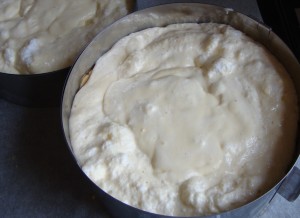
column 38, row 36
column 188, row 119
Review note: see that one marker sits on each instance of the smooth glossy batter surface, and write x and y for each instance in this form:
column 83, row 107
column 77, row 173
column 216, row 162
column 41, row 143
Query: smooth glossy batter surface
column 38, row 36
column 188, row 119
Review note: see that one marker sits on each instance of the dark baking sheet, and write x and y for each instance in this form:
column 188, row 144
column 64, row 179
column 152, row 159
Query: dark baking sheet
column 284, row 18
column 38, row 176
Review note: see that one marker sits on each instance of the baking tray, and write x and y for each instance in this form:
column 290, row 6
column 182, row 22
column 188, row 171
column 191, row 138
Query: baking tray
column 38, row 177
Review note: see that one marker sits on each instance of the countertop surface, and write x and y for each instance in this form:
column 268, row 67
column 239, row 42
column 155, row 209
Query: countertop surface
column 39, row 177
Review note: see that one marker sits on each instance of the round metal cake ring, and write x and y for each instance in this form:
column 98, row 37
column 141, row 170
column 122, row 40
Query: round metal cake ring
column 161, row 16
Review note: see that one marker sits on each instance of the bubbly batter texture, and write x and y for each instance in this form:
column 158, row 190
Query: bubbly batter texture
column 188, row 119
column 38, row 36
